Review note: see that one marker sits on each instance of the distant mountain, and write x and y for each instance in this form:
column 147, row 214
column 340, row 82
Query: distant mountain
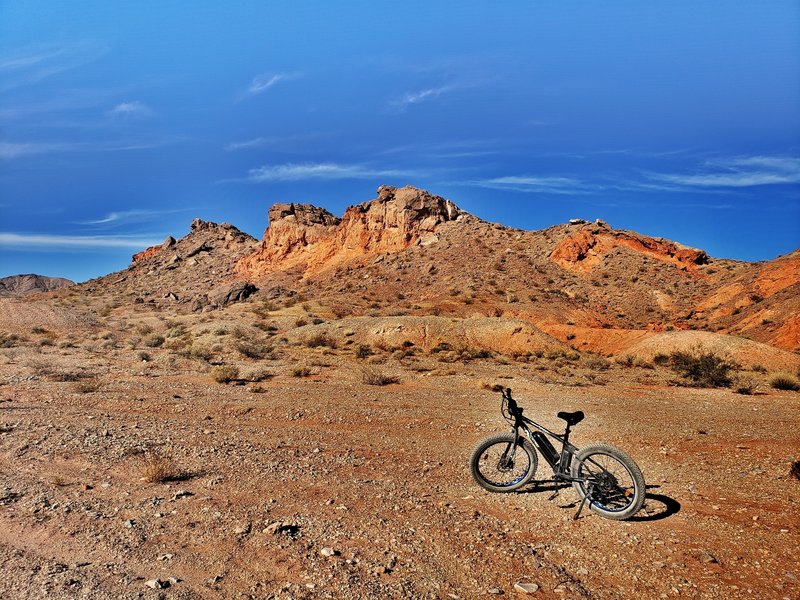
column 19, row 285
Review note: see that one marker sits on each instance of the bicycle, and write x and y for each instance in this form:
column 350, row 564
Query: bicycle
column 603, row 476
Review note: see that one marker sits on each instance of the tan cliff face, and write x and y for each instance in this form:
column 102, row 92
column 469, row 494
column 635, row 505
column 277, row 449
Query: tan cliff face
column 302, row 235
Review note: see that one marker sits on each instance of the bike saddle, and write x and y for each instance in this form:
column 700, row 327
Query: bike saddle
column 572, row 418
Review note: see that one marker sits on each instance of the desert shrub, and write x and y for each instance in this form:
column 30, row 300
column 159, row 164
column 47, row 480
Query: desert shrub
column 177, row 331
column 9, row 340
column 758, row 368
column 253, row 349
column 474, row 353
column 300, row 322
column 744, row 386
column 784, row 381
column 143, row 356
column 320, row 339
column 86, row 386
column 492, row 387
column 200, row 352
column 441, row 347
column 224, row 373
column 258, row 375
column 144, row 328
column 625, row 361
column 570, row 336
column 643, row 364
column 301, row 371
column 598, row 363
column 153, row 340
column 661, row 359
column 702, row 367
column 373, row 376
column 363, row 351
column 554, row 353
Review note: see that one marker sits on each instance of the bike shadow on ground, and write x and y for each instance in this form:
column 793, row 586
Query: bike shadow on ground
column 656, row 506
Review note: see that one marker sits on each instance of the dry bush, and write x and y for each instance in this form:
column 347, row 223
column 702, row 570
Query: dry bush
column 153, row 340
column 492, row 387
column 87, row 386
column 199, row 352
column 225, row 373
column 320, row 339
column 784, row 381
column 257, row 375
column 702, row 367
column 9, row 340
column 157, row 468
column 301, row 371
column 598, row 363
column 363, row 351
column 254, row 349
column 373, row 376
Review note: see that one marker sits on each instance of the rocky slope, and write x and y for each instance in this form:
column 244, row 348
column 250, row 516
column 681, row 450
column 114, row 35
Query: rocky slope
column 19, row 285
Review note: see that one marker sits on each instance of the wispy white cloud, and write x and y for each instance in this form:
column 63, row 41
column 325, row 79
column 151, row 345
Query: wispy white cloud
column 131, row 110
column 419, row 96
column 27, row 240
column 738, row 172
column 295, row 172
column 261, row 83
column 31, row 65
column 131, row 216
column 539, row 184
column 10, row 150
column 273, row 141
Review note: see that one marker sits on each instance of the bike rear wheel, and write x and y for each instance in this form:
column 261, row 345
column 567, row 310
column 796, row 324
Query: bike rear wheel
column 610, row 480
column 498, row 466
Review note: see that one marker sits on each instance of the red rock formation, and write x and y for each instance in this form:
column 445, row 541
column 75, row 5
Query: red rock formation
column 312, row 238
column 586, row 247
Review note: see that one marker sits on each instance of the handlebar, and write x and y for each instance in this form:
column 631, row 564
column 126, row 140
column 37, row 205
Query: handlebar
column 514, row 411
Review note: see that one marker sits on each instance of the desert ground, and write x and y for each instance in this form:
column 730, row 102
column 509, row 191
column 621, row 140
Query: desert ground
column 330, row 469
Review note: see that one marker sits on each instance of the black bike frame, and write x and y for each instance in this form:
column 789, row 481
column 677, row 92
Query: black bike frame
column 561, row 466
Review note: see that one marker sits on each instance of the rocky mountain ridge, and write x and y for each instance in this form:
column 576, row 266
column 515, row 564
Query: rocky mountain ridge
column 19, row 285
column 410, row 253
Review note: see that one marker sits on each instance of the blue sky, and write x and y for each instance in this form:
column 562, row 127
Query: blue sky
column 120, row 122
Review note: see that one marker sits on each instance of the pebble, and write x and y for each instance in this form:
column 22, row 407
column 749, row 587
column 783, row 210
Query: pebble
column 494, row 591
column 243, row 528
column 526, row 588
column 130, row 523
column 157, row 584
column 708, row 558
column 328, row 552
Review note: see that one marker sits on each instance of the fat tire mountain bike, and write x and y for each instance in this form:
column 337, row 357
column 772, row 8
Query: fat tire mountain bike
column 604, row 477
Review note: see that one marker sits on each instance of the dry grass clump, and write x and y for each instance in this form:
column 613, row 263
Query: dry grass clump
column 784, row 381
column 157, row 468
column 225, row 373
column 373, row 376
column 363, row 351
column 87, row 386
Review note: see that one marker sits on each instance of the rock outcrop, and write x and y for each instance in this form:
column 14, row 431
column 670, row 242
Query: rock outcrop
column 311, row 238
column 585, row 248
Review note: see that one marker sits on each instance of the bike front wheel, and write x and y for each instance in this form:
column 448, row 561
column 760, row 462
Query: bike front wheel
column 500, row 466
column 611, row 482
